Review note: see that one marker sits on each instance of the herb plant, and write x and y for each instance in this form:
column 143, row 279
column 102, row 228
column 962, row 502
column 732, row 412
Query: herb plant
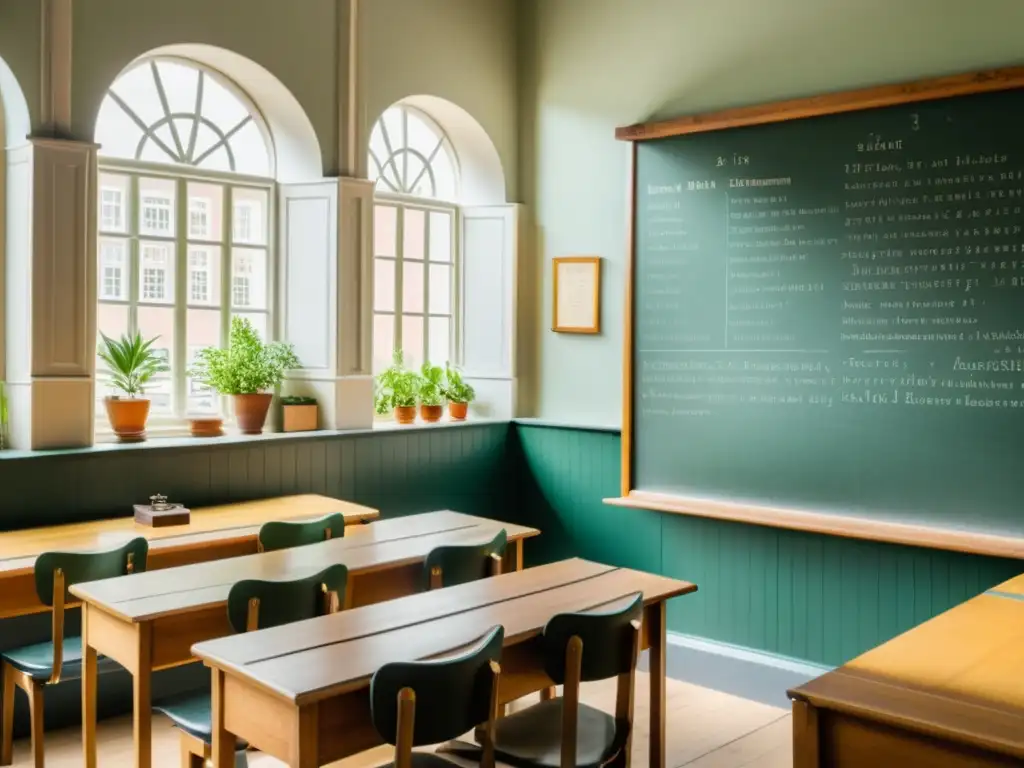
column 395, row 386
column 247, row 366
column 3, row 415
column 131, row 362
column 298, row 400
column 431, row 385
column 455, row 389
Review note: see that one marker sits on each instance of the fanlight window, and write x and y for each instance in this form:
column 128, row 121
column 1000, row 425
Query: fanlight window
column 410, row 155
column 164, row 111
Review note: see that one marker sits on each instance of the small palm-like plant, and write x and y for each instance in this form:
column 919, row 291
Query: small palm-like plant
column 131, row 362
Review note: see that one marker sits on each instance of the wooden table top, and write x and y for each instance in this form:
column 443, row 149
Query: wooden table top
column 383, row 544
column 958, row 675
column 19, row 549
column 330, row 655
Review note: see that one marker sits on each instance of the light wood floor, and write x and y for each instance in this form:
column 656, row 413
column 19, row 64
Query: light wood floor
column 706, row 729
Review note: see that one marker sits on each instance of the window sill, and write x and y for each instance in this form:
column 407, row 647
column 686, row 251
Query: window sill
column 186, row 442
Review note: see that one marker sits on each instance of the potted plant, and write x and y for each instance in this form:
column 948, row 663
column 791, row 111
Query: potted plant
column 396, row 391
column 299, row 414
column 431, row 392
column 247, row 370
column 131, row 363
column 458, row 393
column 3, row 416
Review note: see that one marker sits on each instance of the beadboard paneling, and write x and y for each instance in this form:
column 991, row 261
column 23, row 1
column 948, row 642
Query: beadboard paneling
column 818, row 598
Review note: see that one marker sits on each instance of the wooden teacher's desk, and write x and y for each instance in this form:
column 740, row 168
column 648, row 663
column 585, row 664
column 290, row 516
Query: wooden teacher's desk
column 149, row 621
column 301, row 693
column 948, row 694
column 213, row 533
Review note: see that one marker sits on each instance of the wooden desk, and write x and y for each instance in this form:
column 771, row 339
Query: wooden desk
column 214, row 533
column 149, row 621
column 303, row 696
column 947, row 693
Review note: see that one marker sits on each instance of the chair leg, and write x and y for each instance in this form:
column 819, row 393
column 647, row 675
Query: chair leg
column 546, row 694
column 7, row 736
column 194, row 752
column 241, row 761
column 35, row 709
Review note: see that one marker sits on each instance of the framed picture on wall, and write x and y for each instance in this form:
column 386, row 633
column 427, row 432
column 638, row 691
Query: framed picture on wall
column 577, row 294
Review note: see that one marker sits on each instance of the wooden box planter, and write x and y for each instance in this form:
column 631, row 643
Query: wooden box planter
column 299, row 418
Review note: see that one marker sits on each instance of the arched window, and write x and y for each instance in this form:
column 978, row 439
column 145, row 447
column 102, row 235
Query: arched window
column 186, row 182
column 417, row 183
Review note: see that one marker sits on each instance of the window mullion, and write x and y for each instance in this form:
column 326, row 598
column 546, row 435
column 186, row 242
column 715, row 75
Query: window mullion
column 458, row 287
column 399, row 277
column 134, row 266
column 181, row 288
column 227, row 229
column 426, row 287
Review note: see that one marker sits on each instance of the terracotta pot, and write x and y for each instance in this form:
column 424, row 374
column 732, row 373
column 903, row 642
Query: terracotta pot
column 458, row 411
column 431, row 413
column 128, row 417
column 206, row 426
column 251, row 412
column 405, row 414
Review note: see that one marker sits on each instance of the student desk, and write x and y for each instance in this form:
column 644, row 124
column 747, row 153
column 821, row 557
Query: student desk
column 947, row 693
column 149, row 621
column 301, row 693
column 213, row 533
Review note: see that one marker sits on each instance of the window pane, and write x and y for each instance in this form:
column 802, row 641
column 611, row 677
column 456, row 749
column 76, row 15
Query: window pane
column 384, row 285
column 205, row 211
column 385, row 223
column 440, row 236
column 412, row 341
column 112, row 320
column 440, row 340
column 112, row 269
column 258, row 320
column 203, row 330
column 383, row 341
column 249, row 278
column 156, row 207
column 156, row 272
column 159, row 321
column 412, row 286
column 440, row 289
column 413, row 234
column 249, row 219
column 203, row 285
column 114, row 197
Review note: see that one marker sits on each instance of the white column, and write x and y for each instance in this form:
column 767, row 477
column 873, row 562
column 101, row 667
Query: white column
column 51, row 295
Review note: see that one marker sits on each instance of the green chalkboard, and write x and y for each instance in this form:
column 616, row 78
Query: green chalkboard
column 828, row 314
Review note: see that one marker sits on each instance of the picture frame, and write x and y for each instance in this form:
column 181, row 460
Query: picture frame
column 576, row 294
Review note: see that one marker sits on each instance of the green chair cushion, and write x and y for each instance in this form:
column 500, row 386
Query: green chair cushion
column 532, row 738
column 193, row 713
column 37, row 660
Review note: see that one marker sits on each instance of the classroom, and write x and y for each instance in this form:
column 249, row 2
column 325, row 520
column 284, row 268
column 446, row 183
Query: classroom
column 536, row 383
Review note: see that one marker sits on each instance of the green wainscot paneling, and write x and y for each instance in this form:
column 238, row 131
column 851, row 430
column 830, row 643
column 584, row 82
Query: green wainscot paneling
column 818, row 598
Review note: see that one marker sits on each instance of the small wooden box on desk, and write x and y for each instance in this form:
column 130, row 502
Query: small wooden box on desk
column 160, row 514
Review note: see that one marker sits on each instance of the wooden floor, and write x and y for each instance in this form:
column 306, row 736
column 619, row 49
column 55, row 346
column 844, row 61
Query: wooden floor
column 706, row 729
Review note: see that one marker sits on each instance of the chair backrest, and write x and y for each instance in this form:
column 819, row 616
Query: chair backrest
column 460, row 563
column 286, row 534
column 258, row 604
column 78, row 567
column 453, row 694
column 607, row 637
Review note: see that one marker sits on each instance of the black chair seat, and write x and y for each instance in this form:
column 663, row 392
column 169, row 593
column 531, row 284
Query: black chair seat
column 193, row 713
column 37, row 660
column 532, row 738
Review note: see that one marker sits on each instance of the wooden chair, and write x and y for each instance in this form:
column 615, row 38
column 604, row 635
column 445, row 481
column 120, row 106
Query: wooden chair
column 252, row 605
column 33, row 667
column 418, row 703
column 286, row 534
column 561, row 732
column 454, row 564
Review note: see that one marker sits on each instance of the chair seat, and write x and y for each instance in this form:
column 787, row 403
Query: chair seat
column 193, row 713
column 532, row 737
column 37, row 660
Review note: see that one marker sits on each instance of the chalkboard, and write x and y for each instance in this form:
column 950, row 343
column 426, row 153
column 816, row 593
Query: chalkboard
column 828, row 315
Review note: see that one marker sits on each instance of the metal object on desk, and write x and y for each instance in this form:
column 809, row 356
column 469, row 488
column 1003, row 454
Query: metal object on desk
column 160, row 513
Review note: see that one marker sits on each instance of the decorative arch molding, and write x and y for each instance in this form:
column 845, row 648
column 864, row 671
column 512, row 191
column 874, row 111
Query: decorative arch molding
column 481, row 175
column 15, row 122
column 297, row 153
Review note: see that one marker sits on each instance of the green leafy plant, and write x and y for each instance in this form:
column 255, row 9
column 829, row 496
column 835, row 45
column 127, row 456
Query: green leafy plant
column 396, row 386
column 431, row 385
column 3, row 415
column 131, row 362
column 247, row 366
column 298, row 400
column 455, row 389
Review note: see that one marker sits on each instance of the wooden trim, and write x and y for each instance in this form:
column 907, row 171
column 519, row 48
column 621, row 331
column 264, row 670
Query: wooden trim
column 556, row 326
column 626, row 438
column 829, row 104
column 806, row 744
column 831, row 525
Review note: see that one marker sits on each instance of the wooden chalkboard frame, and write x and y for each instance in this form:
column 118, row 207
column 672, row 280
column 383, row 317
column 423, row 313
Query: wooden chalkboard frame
column 1007, row 78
